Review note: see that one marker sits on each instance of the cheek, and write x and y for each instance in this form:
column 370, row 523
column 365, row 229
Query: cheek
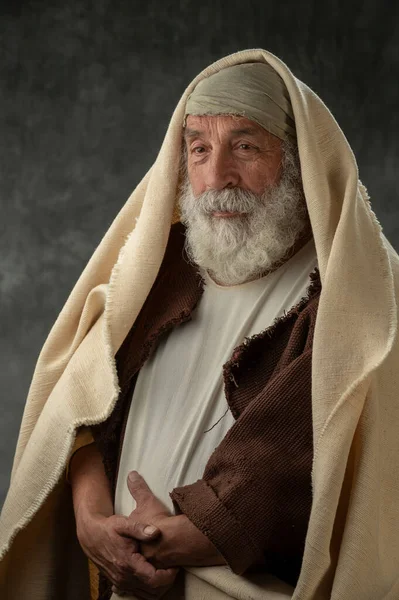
column 258, row 178
column 195, row 180
column 262, row 174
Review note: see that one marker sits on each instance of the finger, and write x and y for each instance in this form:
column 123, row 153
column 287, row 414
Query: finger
column 141, row 568
column 148, row 574
column 138, row 487
column 143, row 532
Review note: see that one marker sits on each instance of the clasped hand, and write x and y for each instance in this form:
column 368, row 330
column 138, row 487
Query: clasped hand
column 140, row 554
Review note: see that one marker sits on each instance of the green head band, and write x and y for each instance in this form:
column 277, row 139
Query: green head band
column 251, row 90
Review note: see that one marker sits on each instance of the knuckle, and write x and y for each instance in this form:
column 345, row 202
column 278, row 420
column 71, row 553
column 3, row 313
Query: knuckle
column 135, row 524
column 119, row 564
column 153, row 584
column 118, row 523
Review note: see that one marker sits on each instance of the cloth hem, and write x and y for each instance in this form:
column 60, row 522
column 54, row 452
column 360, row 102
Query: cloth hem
column 200, row 503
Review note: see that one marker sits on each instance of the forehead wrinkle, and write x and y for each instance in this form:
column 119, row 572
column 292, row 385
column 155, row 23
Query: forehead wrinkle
column 188, row 133
column 245, row 131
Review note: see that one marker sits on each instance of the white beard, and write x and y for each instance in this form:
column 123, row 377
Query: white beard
column 238, row 249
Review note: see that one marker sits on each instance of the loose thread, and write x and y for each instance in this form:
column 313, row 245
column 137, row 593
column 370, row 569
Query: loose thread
column 218, row 421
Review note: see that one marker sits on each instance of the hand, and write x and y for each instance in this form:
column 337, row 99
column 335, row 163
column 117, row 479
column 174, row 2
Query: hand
column 112, row 543
column 181, row 543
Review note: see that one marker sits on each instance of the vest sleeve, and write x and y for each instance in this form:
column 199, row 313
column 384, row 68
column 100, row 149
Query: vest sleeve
column 254, row 499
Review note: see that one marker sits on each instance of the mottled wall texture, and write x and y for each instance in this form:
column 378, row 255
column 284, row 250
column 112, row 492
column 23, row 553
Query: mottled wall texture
column 86, row 92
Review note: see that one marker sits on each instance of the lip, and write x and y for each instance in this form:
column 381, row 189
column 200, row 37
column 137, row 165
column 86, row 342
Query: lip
column 220, row 214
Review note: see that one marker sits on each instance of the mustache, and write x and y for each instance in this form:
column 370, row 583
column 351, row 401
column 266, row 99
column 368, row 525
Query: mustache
column 227, row 200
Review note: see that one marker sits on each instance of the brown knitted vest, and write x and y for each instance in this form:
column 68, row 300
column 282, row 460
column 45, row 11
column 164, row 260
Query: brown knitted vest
column 255, row 493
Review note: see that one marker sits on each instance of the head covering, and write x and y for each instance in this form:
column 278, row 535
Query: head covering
column 252, row 90
column 352, row 544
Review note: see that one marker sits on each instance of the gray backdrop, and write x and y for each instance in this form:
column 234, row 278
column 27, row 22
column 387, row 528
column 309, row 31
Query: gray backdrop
column 87, row 90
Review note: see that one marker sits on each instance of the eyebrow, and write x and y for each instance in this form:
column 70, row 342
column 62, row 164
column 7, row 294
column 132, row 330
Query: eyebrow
column 189, row 133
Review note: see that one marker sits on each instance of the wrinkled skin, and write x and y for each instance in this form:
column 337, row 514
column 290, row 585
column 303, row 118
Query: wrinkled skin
column 112, row 543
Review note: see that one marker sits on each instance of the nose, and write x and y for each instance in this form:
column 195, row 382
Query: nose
column 220, row 171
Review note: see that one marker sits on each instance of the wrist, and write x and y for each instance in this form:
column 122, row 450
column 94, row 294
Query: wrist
column 90, row 509
column 172, row 551
column 181, row 544
column 164, row 552
column 192, row 547
column 88, row 522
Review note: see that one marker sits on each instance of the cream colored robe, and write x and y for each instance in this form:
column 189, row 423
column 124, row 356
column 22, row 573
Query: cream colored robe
column 352, row 546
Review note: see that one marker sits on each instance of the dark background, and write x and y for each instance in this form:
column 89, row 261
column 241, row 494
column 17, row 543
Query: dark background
column 86, row 92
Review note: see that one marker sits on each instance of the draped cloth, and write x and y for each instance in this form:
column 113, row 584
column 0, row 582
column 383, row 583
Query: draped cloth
column 352, row 545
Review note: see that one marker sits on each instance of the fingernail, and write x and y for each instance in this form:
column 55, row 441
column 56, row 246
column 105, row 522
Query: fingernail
column 133, row 475
column 149, row 529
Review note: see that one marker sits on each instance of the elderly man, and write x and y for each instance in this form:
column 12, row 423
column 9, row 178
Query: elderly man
column 248, row 233
column 250, row 449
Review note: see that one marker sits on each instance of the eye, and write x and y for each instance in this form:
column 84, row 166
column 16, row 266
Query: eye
column 244, row 146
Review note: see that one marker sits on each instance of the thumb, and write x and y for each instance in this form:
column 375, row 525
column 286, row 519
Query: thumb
column 143, row 532
column 138, row 487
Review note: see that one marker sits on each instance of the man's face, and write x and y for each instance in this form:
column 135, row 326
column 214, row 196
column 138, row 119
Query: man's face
column 229, row 152
column 241, row 197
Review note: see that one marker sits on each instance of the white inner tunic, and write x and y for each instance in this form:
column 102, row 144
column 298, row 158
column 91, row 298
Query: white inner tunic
column 179, row 393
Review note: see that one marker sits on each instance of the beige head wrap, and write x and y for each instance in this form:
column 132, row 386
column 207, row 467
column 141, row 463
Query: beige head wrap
column 252, row 90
